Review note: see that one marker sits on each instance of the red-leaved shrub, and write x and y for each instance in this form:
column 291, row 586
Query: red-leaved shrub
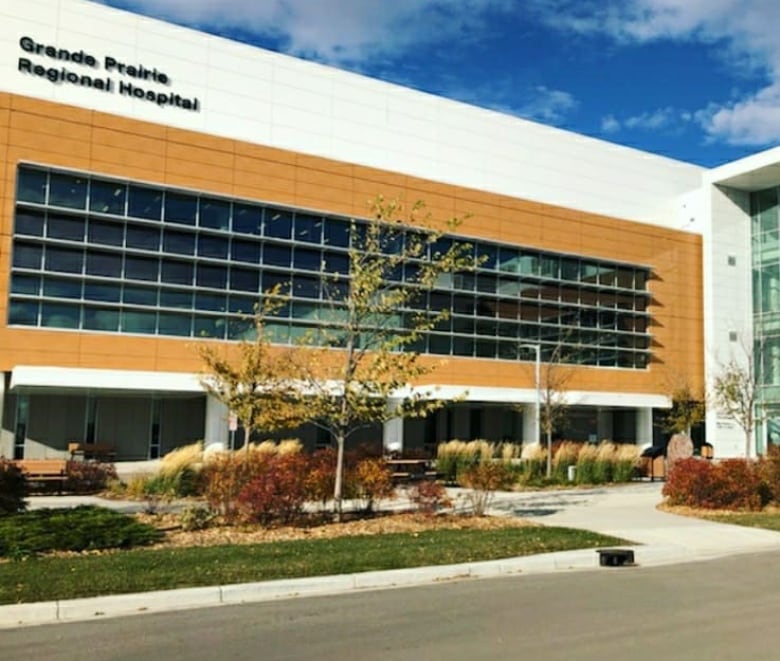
column 728, row 484
column 278, row 492
column 13, row 488
column 373, row 481
column 88, row 476
column 429, row 496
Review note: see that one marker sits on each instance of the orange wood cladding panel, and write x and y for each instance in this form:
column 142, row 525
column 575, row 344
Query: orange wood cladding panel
column 58, row 135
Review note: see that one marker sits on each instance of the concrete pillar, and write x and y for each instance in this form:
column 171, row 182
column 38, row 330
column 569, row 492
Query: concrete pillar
column 215, row 434
column 644, row 426
column 530, row 423
column 393, row 432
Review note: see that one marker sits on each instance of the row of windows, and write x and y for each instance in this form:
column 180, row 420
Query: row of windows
column 111, row 268
column 623, row 351
column 133, row 201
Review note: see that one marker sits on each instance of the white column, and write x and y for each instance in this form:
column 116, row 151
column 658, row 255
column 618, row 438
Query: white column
column 393, row 432
column 530, row 423
column 644, row 426
column 6, row 439
column 215, row 435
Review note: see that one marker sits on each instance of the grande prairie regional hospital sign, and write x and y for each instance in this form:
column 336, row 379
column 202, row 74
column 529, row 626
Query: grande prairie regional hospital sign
column 61, row 66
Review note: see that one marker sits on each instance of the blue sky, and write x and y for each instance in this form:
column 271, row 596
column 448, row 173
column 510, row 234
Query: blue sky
column 696, row 80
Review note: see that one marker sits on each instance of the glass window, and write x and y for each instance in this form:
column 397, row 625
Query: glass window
column 179, row 243
column 31, row 186
column 607, row 276
column 211, row 276
column 25, row 284
column 306, row 286
column 176, row 298
column 528, row 263
column 101, row 319
column 488, row 256
column 67, row 190
column 241, row 329
column 175, row 324
column 29, row 223
column 550, row 266
column 143, row 237
column 209, row 327
column 23, row 313
column 177, row 272
column 214, row 213
column 508, row 260
column 272, row 280
column 278, row 223
column 61, row 288
column 144, row 202
column 245, row 251
column 336, row 233
column 106, row 264
column 307, row 260
column 107, row 197
column 139, row 295
column 180, row 208
column 60, row 315
column 570, row 269
column 440, row 344
column 244, row 279
column 209, row 301
column 462, row 346
column 141, row 268
column 97, row 291
column 105, row 232
column 336, row 263
column 242, row 304
column 308, row 228
column 65, row 227
column 274, row 255
column 135, row 321
column 247, row 218
column 212, row 246
column 64, row 260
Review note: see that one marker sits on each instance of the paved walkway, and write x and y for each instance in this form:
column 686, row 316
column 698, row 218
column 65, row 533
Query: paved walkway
column 628, row 512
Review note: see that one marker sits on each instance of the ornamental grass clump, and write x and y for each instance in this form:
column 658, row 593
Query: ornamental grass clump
column 626, row 461
column 565, row 456
column 586, row 465
column 603, row 468
column 534, row 463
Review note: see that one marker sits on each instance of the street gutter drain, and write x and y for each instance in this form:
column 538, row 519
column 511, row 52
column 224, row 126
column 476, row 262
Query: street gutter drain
column 616, row 557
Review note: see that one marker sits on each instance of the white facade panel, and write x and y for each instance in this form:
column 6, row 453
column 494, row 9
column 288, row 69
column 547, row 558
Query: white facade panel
column 327, row 113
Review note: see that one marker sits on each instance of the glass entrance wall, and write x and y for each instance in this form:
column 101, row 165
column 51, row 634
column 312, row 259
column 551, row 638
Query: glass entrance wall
column 765, row 247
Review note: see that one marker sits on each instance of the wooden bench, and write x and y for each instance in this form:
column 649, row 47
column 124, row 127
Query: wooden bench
column 91, row 450
column 44, row 470
column 408, row 470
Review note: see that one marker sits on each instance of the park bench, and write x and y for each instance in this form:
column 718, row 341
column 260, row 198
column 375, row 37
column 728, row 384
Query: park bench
column 408, row 470
column 44, row 471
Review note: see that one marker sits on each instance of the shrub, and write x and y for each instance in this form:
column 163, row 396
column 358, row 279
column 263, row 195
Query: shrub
column 13, row 488
column 484, row 480
column 277, row 493
column 196, row 518
column 88, row 476
column 429, row 496
column 77, row 529
column 182, row 458
column 373, row 481
column 769, row 468
column 321, row 477
column 729, row 484
column 224, row 476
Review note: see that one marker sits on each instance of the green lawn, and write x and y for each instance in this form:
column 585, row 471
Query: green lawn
column 46, row 578
column 768, row 520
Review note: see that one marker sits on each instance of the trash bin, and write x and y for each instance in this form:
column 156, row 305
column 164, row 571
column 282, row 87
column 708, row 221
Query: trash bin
column 652, row 462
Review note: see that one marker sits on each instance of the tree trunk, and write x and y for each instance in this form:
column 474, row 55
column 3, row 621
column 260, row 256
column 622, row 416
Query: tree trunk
column 549, row 453
column 338, row 482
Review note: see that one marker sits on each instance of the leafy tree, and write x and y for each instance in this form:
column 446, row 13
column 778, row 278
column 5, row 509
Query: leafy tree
column 256, row 382
column 736, row 392
column 688, row 407
column 359, row 372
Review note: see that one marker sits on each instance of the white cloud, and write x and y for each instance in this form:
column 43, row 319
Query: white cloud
column 335, row 31
column 610, row 124
column 546, row 105
column 744, row 32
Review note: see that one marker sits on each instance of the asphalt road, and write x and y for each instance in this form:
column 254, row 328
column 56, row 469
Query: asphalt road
column 721, row 609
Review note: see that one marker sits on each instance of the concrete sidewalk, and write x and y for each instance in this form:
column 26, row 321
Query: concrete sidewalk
column 628, row 512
